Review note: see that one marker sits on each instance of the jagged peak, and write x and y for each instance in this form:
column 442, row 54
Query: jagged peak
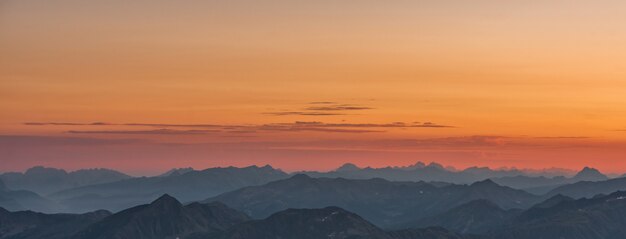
column 588, row 173
column 166, row 199
column 347, row 167
column 484, row 183
column 300, row 176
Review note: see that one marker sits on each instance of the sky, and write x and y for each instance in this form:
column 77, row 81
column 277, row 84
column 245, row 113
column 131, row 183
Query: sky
column 144, row 86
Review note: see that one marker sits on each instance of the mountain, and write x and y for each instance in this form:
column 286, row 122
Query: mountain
column 429, row 233
column 599, row 217
column 176, row 172
column 191, row 186
column 589, row 174
column 49, row 180
column 166, row 217
column 16, row 200
column 519, row 179
column 380, row 201
column 475, row 217
column 329, row 222
column 32, row 225
column 590, row 189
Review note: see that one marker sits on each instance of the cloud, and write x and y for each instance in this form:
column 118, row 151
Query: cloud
column 171, row 129
column 38, row 140
column 283, row 113
column 322, row 108
column 152, row 132
column 338, row 108
column 66, row 123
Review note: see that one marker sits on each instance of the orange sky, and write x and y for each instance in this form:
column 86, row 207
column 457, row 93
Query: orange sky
column 530, row 84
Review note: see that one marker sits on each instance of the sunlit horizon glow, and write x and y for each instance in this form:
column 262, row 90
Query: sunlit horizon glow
column 144, row 86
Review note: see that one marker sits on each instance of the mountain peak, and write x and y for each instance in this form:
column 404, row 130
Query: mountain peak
column 347, row 167
column 485, row 183
column 301, row 176
column 166, row 200
column 590, row 174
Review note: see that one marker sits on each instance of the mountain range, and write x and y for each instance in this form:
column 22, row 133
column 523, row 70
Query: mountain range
column 44, row 180
column 600, row 217
column 385, row 203
column 189, row 186
column 167, row 218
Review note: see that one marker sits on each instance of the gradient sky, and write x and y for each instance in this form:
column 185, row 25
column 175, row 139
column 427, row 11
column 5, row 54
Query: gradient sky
column 143, row 86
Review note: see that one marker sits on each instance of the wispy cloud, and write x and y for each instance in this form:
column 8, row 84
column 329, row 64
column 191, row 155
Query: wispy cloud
column 197, row 129
column 321, row 108
column 38, row 140
column 151, row 132
column 283, row 113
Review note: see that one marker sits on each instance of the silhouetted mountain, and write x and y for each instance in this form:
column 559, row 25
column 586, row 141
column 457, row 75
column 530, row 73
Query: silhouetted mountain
column 16, row 200
column 49, row 180
column 166, row 217
column 600, row 217
column 518, row 179
column 32, row 225
column 191, row 186
column 590, row 189
column 347, row 168
column 176, row 172
column 475, row 217
column 589, row 174
column 429, row 233
column 553, row 201
column 329, row 222
column 380, row 201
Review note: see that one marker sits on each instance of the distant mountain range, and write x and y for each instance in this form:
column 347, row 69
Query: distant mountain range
column 600, row 217
column 15, row 200
column 382, row 202
column 44, row 180
column 167, row 218
column 189, row 186
column 538, row 182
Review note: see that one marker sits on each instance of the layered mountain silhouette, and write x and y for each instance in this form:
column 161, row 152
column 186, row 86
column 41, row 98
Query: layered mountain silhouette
column 380, row 201
column 329, row 222
column 475, row 217
column 15, row 200
column 33, row 225
column 44, row 180
column 599, row 217
column 166, row 217
column 590, row 189
column 538, row 182
column 189, row 186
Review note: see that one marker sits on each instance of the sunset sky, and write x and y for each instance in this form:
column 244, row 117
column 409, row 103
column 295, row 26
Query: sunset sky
column 144, row 86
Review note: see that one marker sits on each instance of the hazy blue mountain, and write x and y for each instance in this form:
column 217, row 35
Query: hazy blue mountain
column 590, row 189
column 600, row 217
column 16, row 200
column 33, row 225
column 475, row 217
column 538, row 181
column 416, row 172
column 380, row 201
column 329, row 222
column 190, row 186
column 176, row 172
column 589, row 174
column 49, row 180
column 166, row 217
